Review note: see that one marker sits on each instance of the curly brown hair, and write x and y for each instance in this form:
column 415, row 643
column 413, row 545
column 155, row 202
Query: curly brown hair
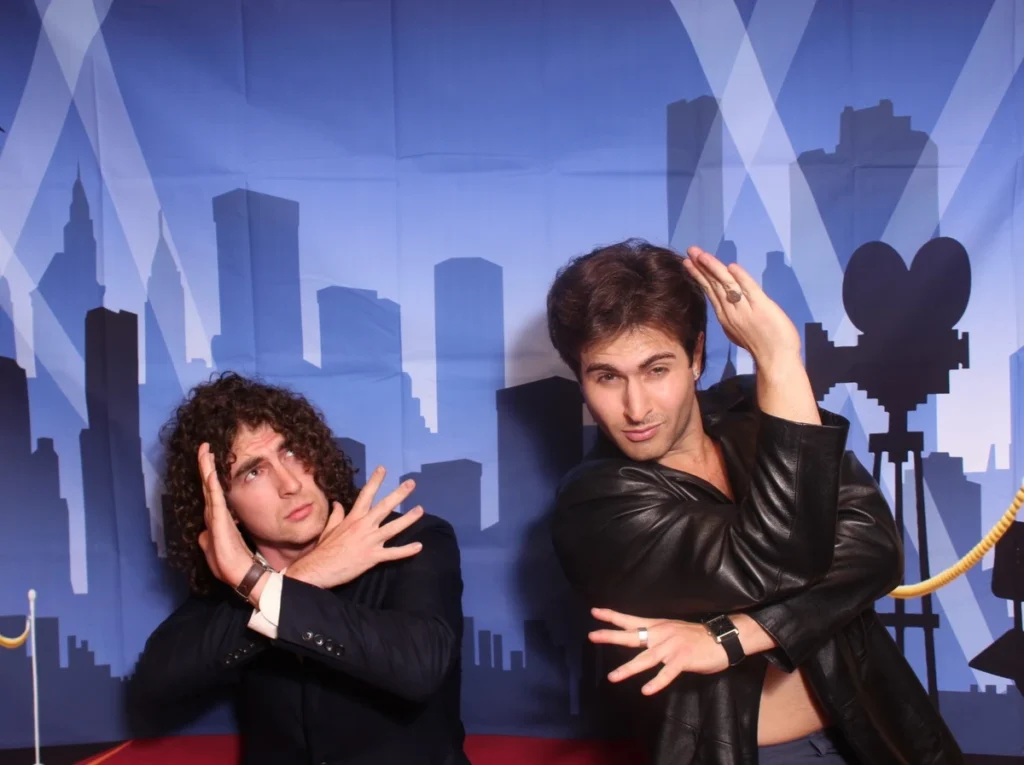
column 212, row 413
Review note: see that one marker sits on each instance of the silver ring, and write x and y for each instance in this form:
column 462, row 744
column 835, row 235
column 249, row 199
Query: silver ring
column 641, row 635
column 733, row 296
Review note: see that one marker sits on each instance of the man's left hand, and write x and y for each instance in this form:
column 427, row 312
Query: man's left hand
column 679, row 646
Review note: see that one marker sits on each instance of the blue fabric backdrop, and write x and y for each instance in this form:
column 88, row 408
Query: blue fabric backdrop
column 367, row 201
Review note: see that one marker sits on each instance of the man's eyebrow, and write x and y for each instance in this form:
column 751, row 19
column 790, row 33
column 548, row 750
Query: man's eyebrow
column 656, row 358
column 245, row 467
column 601, row 367
column 606, row 367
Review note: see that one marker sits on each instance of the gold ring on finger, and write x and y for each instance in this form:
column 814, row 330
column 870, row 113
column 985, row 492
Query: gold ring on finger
column 733, row 295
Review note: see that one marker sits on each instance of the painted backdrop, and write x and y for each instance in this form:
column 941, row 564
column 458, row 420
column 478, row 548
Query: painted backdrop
column 368, row 200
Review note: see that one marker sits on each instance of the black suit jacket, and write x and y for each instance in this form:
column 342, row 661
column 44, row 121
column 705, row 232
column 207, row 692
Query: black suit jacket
column 368, row 672
column 806, row 550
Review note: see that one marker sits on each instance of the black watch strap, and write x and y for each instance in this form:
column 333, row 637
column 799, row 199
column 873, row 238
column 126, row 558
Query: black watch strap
column 722, row 629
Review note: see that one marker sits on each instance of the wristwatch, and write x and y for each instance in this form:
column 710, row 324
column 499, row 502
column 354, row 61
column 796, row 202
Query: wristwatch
column 252, row 576
column 725, row 634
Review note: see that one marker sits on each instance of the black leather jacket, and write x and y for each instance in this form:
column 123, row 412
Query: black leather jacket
column 806, row 550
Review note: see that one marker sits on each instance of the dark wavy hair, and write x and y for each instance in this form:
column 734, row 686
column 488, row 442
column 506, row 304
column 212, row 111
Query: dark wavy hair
column 212, row 413
column 612, row 289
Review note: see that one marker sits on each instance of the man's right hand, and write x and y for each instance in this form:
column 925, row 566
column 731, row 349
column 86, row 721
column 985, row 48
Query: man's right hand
column 227, row 554
column 353, row 542
column 755, row 322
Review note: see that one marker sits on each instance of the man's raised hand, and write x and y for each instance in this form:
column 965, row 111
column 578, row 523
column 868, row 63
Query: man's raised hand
column 227, row 554
column 353, row 542
column 750, row 318
column 754, row 321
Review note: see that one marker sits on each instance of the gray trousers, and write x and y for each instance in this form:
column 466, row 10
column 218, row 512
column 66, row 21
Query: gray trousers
column 822, row 748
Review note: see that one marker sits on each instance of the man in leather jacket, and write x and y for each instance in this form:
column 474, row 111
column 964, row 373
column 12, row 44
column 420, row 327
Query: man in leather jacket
column 727, row 535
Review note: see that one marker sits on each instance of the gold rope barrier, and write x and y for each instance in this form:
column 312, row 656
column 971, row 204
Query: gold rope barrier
column 931, row 584
column 18, row 642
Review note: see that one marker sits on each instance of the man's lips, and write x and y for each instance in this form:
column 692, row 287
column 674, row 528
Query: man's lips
column 641, row 435
column 300, row 513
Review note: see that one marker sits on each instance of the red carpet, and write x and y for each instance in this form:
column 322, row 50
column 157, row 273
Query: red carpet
column 482, row 750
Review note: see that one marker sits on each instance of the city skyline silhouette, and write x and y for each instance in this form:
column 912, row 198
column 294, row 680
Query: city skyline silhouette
column 528, row 643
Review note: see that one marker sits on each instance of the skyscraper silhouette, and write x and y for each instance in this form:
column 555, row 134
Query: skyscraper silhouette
column 15, row 425
column 694, row 169
column 996, row 486
column 361, row 356
column 530, row 689
column 7, row 342
column 469, row 327
column 857, row 186
column 35, row 540
column 165, row 338
column 360, row 334
column 79, row 702
column 168, row 376
column 450, row 490
column 469, row 331
column 258, row 270
column 540, row 438
column 69, row 285
column 719, row 352
column 780, row 283
column 1017, row 417
column 356, row 454
column 695, row 203
column 361, row 386
column 69, row 288
column 123, row 568
column 958, row 502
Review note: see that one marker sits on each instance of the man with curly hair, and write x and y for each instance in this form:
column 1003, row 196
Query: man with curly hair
column 334, row 622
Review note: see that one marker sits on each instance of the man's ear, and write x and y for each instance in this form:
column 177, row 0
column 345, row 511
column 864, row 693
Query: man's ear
column 697, row 363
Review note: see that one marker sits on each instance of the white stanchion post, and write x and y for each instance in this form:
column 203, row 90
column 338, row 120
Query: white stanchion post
column 35, row 673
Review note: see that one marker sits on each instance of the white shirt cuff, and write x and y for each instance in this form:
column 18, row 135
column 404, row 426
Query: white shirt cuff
column 266, row 618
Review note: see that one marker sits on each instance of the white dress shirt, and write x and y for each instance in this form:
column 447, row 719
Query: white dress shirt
column 266, row 618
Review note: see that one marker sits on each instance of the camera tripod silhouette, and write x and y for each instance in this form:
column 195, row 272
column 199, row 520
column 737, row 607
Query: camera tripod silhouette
column 905, row 353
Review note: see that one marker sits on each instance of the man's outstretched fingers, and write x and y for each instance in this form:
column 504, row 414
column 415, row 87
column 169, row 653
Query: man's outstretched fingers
column 662, row 680
column 400, row 524
column 364, row 501
column 335, row 518
column 702, row 279
column 639, row 663
column 626, row 638
column 404, row 551
column 383, row 508
column 622, row 621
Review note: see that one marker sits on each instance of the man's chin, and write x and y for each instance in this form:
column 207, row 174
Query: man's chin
column 308, row 530
column 644, row 451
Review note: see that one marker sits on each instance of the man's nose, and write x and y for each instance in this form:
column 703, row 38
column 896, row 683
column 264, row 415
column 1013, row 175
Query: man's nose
column 289, row 482
column 636, row 404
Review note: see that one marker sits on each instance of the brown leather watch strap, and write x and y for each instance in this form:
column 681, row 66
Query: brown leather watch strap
column 252, row 576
